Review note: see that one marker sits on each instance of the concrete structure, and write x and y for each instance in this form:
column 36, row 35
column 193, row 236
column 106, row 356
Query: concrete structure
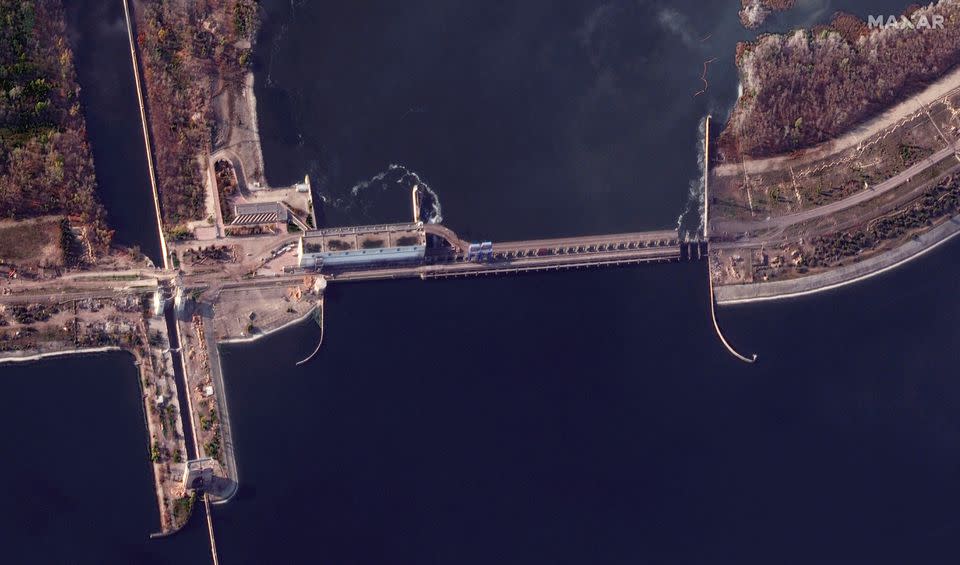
column 198, row 474
column 362, row 245
column 303, row 187
column 259, row 213
column 159, row 302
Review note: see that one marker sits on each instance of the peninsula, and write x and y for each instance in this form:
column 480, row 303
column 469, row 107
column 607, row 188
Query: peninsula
column 851, row 171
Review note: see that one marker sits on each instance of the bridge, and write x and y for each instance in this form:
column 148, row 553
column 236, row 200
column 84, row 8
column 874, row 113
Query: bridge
column 446, row 255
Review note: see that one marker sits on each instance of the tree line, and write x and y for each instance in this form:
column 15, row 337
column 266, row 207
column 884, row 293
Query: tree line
column 808, row 86
column 45, row 162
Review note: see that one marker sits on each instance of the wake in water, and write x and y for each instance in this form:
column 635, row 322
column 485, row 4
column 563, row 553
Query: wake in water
column 690, row 221
column 396, row 177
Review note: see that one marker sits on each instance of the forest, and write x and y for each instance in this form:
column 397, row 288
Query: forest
column 190, row 49
column 45, row 161
column 808, row 86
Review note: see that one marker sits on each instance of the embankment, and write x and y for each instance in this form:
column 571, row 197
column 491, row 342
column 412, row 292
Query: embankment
column 841, row 276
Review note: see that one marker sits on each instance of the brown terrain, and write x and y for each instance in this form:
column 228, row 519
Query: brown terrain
column 46, row 168
column 809, row 86
column 821, row 194
column 191, row 52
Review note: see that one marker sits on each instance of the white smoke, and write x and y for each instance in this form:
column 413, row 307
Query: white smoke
column 399, row 174
column 678, row 24
column 693, row 209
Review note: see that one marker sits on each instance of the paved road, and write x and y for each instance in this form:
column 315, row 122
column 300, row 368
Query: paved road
column 534, row 263
column 542, row 254
column 781, row 222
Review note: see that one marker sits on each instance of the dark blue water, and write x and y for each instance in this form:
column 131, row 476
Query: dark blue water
column 569, row 418
column 108, row 96
column 79, row 483
column 529, row 119
column 595, row 418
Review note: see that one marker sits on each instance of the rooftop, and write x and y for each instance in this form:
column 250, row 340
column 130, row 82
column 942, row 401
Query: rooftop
column 363, row 237
column 259, row 213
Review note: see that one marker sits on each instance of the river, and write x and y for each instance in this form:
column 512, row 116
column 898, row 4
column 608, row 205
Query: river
column 587, row 417
column 576, row 417
column 79, row 483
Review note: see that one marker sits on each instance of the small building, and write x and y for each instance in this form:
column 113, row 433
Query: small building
column 258, row 213
column 360, row 245
column 198, row 474
column 303, row 187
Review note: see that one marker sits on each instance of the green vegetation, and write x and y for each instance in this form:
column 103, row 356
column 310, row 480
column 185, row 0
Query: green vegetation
column 212, row 447
column 171, row 414
column 69, row 245
column 45, row 162
column 207, row 422
column 372, row 243
column 244, row 20
column 910, row 154
column 155, row 453
column 226, row 188
column 179, row 233
column 182, row 507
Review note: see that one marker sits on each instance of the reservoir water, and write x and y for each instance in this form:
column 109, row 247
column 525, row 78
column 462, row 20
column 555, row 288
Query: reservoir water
column 76, row 465
column 586, row 417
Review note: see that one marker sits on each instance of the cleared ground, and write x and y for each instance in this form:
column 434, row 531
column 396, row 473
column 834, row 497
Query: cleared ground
column 31, row 242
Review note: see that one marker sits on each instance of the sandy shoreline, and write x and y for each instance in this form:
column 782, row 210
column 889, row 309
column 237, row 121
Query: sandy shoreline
column 842, row 276
column 253, row 338
column 51, row 354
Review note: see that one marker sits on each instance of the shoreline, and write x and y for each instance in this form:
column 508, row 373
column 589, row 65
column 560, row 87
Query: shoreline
column 61, row 353
column 145, row 370
column 254, row 338
column 842, row 276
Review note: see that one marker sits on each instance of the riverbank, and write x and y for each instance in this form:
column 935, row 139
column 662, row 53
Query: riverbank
column 27, row 357
column 841, row 276
column 266, row 332
column 145, row 340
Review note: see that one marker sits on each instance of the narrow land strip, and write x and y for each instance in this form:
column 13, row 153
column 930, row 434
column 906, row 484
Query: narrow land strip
column 841, row 276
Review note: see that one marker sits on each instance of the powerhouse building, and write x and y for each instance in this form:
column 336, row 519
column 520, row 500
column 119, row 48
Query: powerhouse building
column 360, row 245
